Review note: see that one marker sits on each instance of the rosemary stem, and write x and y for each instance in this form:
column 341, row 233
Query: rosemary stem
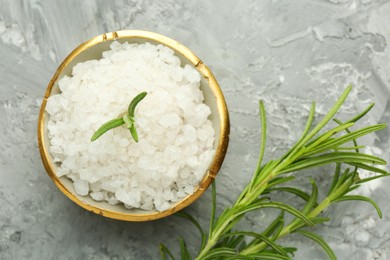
column 246, row 199
column 250, row 196
column 321, row 207
column 257, row 190
column 209, row 245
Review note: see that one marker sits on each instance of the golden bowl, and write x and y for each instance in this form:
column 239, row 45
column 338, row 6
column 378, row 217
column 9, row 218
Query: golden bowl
column 92, row 49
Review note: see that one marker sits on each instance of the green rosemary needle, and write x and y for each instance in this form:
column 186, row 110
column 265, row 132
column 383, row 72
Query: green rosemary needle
column 128, row 120
column 106, row 127
column 134, row 103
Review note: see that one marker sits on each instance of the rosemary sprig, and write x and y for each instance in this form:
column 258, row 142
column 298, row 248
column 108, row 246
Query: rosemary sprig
column 127, row 119
column 313, row 149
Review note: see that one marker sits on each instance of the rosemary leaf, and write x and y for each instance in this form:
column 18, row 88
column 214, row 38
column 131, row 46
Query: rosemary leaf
column 263, row 134
column 278, row 205
column 316, row 142
column 319, row 220
column 187, row 216
column 323, row 122
column 280, row 180
column 312, row 202
column 213, row 205
column 262, row 143
column 261, row 237
column 267, row 256
column 346, row 157
column 320, row 241
column 348, row 131
column 372, row 178
column 369, row 167
column 234, row 241
column 335, row 143
column 278, row 222
column 346, row 148
column 361, row 198
column 106, row 127
column 278, row 230
column 303, row 195
column 185, row 255
column 134, row 133
column 335, row 177
column 305, row 131
column 134, row 103
column 362, row 114
column 164, row 251
column 219, row 252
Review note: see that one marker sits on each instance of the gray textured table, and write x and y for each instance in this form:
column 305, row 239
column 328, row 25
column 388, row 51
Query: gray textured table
column 285, row 52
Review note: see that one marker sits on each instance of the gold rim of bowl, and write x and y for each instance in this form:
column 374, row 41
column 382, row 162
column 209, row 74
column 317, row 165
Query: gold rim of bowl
column 212, row 83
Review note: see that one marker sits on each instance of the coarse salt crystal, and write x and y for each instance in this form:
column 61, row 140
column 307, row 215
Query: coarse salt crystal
column 191, row 74
column 98, row 196
column 81, row 187
column 170, row 120
column 189, row 133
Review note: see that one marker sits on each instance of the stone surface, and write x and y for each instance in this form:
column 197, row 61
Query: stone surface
column 285, row 52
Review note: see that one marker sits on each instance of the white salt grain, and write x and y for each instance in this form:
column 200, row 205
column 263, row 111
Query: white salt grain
column 170, row 120
column 98, row 196
column 124, row 142
column 81, row 187
column 191, row 74
column 189, row 133
column 175, row 135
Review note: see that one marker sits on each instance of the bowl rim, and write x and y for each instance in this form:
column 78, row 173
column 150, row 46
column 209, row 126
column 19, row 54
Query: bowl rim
column 221, row 106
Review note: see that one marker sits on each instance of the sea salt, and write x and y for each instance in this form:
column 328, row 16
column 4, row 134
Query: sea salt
column 175, row 135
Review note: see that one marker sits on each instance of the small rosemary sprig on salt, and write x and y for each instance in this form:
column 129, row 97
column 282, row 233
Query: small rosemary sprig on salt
column 313, row 149
column 127, row 119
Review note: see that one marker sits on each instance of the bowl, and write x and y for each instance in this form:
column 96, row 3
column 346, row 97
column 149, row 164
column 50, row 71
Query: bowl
column 213, row 97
